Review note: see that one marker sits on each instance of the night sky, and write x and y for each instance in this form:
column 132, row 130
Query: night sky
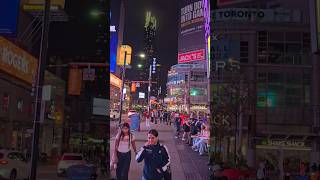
column 166, row 43
column 78, row 36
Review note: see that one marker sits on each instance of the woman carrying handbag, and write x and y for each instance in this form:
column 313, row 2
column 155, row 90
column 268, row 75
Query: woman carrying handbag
column 121, row 157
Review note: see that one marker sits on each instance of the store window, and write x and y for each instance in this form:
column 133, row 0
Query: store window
column 244, row 51
column 20, row 105
column 5, row 102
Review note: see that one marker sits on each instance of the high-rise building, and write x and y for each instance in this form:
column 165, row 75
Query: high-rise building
column 265, row 45
column 150, row 28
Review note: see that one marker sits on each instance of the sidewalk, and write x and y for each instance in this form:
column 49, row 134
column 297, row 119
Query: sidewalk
column 185, row 163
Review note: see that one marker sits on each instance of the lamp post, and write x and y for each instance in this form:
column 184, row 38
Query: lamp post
column 122, row 86
column 149, row 88
column 39, row 84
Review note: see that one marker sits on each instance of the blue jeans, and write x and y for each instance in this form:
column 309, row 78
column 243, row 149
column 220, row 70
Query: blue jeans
column 124, row 160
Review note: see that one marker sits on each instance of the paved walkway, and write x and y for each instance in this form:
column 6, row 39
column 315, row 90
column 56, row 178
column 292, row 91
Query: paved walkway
column 186, row 164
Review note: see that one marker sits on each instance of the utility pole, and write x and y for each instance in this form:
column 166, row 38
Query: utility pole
column 39, row 84
column 149, row 88
column 122, row 85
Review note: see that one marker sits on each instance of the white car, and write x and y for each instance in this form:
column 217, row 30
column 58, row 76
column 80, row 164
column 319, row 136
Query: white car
column 132, row 112
column 114, row 114
column 67, row 160
column 13, row 165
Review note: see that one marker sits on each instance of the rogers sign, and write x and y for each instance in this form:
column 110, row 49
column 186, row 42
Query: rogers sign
column 191, row 56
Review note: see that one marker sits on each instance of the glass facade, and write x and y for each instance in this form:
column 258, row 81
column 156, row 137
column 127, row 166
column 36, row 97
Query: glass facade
column 283, row 48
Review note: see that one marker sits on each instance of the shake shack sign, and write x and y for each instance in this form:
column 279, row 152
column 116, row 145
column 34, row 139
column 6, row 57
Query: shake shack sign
column 256, row 15
column 284, row 143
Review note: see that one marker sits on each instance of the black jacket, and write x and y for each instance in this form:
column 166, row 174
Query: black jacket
column 155, row 157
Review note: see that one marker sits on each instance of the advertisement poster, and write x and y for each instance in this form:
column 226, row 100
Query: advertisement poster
column 17, row 62
column 113, row 42
column 191, row 28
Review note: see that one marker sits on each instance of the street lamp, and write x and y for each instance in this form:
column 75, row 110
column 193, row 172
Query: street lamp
column 96, row 13
column 142, row 55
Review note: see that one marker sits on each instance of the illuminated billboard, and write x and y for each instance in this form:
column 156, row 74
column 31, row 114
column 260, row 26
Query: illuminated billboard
column 113, row 47
column 191, row 30
column 9, row 10
column 191, row 56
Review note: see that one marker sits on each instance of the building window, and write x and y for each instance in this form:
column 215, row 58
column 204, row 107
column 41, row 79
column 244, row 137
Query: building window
column 244, row 51
column 283, row 48
column 282, row 90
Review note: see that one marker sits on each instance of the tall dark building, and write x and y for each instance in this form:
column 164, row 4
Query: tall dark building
column 150, row 28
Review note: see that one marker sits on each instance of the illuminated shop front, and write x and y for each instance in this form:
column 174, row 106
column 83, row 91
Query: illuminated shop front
column 187, row 88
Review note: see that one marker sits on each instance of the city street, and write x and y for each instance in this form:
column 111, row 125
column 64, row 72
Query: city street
column 185, row 163
column 49, row 172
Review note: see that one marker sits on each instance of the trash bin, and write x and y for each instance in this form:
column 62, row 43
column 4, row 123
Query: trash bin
column 135, row 122
column 81, row 172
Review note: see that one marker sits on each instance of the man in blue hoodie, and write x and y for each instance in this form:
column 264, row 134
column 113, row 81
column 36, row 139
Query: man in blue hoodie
column 156, row 158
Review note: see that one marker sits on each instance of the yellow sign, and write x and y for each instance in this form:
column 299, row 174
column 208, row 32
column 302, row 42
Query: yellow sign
column 59, row 3
column 59, row 118
column 29, row 7
column 17, row 62
column 115, row 81
column 124, row 50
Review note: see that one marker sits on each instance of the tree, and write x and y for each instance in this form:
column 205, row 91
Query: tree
column 230, row 101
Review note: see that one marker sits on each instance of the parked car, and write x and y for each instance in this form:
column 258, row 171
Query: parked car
column 67, row 160
column 13, row 165
column 114, row 114
column 131, row 112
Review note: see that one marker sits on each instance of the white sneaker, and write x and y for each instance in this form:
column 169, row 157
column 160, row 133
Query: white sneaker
column 183, row 139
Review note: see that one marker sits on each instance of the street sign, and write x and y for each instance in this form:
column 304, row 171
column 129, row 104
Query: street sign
column 141, row 95
column 88, row 74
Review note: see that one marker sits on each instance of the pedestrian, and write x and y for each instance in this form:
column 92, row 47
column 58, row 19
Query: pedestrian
column 156, row 158
column 161, row 116
column 186, row 130
column 177, row 124
column 165, row 117
column 147, row 116
column 155, row 117
column 152, row 116
column 314, row 172
column 201, row 140
column 121, row 158
column 261, row 172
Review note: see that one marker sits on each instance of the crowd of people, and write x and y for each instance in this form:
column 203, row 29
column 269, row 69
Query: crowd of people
column 192, row 128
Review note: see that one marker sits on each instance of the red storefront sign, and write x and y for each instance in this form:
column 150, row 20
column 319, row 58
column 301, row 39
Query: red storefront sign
column 198, row 55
